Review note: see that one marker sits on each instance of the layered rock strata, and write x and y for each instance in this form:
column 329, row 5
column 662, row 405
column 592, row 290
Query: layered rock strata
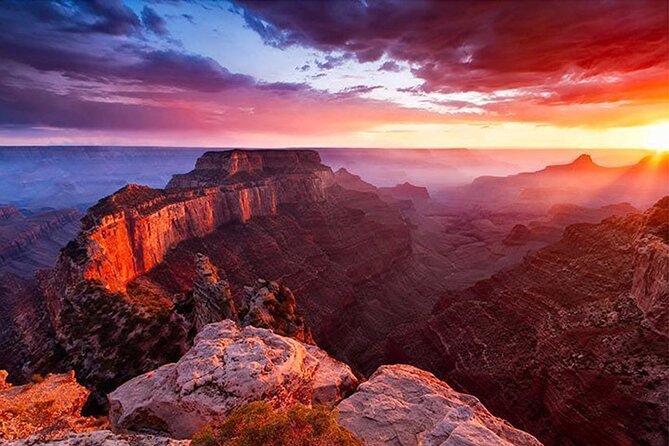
column 569, row 345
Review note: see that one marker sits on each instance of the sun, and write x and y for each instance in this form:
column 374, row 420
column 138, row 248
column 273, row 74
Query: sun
column 656, row 137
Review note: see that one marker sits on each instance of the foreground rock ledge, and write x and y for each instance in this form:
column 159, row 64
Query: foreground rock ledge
column 103, row 438
column 45, row 410
column 227, row 367
column 406, row 406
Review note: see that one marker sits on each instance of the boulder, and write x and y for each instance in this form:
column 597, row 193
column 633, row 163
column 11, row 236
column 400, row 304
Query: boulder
column 401, row 405
column 227, row 367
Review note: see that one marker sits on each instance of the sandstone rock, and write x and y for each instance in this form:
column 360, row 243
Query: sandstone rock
column 227, row 367
column 212, row 297
column 405, row 406
column 103, row 438
column 46, row 410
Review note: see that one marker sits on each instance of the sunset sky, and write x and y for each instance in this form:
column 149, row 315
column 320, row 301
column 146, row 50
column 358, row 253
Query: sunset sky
column 533, row 74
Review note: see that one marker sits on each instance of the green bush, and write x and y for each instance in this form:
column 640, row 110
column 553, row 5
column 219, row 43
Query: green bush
column 258, row 424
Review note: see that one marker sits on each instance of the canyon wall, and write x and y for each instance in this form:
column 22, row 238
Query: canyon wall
column 571, row 345
column 130, row 232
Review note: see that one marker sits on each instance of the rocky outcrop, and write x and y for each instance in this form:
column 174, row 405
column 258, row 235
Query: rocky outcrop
column 406, row 191
column 233, row 166
column 227, row 367
column 103, row 438
column 44, row 410
column 129, row 232
column 650, row 283
column 558, row 344
column 270, row 305
column 350, row 181
column 212, row 298
column 403, row 405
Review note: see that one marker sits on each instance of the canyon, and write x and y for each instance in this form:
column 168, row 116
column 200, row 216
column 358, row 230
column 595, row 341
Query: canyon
column 570, row 345
column 525, row 306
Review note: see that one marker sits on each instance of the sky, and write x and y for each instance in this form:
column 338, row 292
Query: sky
column 477, row 74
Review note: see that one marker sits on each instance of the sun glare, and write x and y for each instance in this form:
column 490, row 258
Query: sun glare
column 657, row 137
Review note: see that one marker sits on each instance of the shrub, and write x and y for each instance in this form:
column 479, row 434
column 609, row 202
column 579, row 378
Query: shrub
column 258, row 424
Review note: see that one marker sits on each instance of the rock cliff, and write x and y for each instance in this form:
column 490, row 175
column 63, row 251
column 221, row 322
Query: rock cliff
column 568, row 345
column 120, row 297
column 227, row 367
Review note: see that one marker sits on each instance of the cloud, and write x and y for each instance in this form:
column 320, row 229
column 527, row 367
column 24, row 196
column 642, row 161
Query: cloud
column 390, row 65
column 569, row 51
column 154, row 22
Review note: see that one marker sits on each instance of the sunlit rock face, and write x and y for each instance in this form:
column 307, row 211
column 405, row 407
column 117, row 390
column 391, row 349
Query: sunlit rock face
column 129, row 232
column 568, row 345
column 403, row 405
column 227, row 367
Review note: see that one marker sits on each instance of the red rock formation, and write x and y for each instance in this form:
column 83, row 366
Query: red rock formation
column 558, row 345
column 45, row 410
column 118, row 295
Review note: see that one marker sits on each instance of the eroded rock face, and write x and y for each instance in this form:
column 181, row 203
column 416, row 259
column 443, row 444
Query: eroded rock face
column 406, row 406
column 212, row 298
column 558, row 345
column 27, row 343
column 103, row 438
column 227, row 367
column 270, row 305
column 45, row 410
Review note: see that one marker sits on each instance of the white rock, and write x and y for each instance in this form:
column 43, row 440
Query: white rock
column 401, row 405
column 226, row 368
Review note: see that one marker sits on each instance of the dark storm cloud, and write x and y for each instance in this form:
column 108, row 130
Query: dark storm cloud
column 477, row 45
